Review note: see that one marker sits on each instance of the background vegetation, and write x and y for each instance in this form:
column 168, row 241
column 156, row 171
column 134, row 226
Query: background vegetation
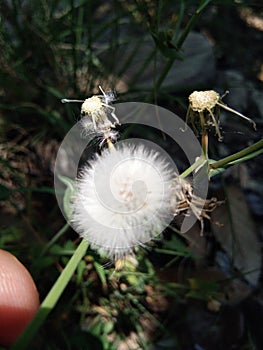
column 52, row 49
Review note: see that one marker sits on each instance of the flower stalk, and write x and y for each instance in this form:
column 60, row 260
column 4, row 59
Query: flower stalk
column 51, row 299
column 205, row 144
column 245, row 154
column 180, row 43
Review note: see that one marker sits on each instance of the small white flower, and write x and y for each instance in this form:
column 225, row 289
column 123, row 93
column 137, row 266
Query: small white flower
column 123, row 199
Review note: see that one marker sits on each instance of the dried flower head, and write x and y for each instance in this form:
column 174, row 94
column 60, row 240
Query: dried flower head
column 92, row 105
column 123, row 199
column 184, row 200
column 204, row 111
column 95, row 112
column 203, row 100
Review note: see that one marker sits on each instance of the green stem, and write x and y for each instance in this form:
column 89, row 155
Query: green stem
column 191, row 23
column 180, row 43
column 205, row 144
column 54, row 239
column 258, row 146
column 51, row 299
column 247, row 153
column 200, row 162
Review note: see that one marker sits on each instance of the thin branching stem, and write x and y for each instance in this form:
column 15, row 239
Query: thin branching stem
column 199, row 163
column 244, row 155
column 180, row 43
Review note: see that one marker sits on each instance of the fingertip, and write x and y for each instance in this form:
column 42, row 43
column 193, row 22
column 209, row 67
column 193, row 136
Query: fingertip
column 19, row 300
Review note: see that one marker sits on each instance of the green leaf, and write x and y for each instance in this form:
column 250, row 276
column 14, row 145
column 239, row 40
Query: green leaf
column 108, row 327
column 80, row 269
column 70, row 190
column 174, row 247
column 101, row 272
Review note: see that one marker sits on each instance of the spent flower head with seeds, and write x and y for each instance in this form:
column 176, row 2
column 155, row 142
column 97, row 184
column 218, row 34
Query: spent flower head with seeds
column 95, row 112
column 123, row 199
column 204, row 111
column 203, row 100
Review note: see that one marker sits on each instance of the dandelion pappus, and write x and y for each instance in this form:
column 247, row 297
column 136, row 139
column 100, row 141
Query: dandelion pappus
column 106, row 133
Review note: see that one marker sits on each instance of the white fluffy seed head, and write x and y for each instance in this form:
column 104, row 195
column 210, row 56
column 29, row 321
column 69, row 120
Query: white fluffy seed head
column 123, row 199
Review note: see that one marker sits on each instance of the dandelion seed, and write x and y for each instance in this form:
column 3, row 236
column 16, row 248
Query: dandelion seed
column 123, row 199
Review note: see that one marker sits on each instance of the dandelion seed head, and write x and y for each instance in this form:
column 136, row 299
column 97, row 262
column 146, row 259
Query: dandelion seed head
column 123, row 199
